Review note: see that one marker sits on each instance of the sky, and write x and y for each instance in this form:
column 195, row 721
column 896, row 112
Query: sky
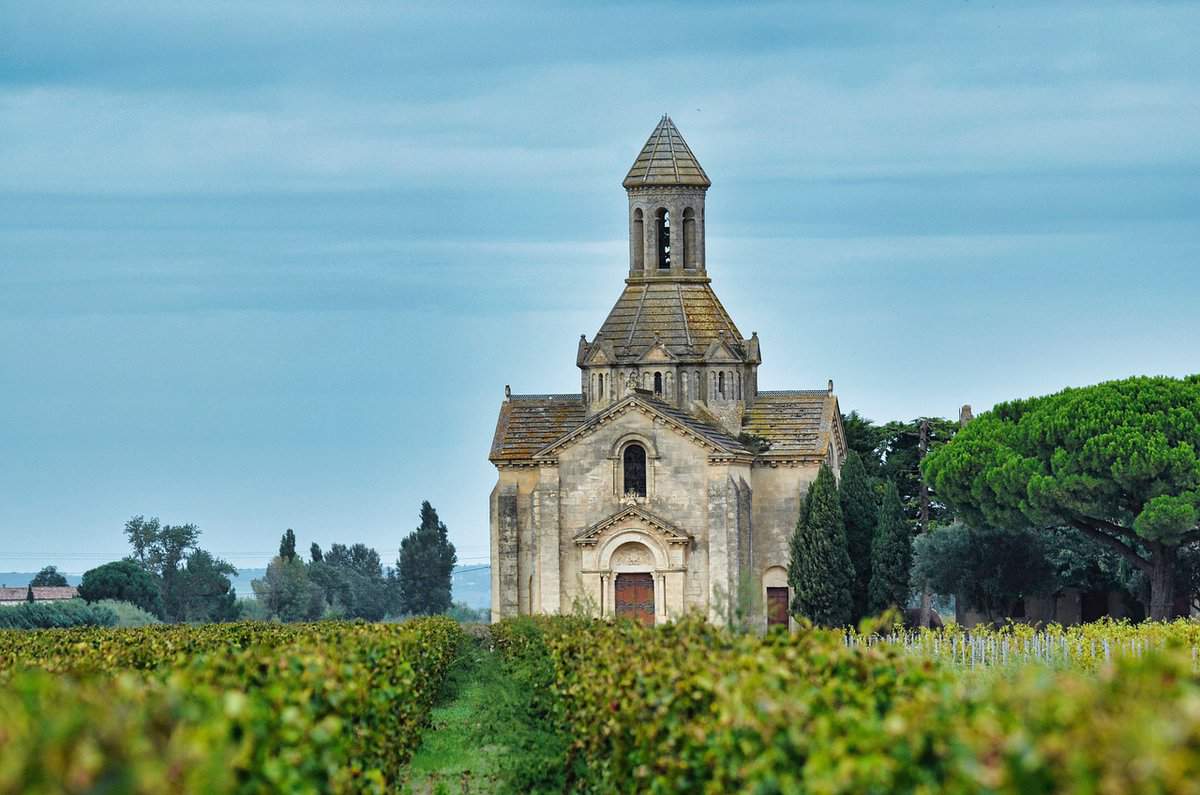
column 269, row 265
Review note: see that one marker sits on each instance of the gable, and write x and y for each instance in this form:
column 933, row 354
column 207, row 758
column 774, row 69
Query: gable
column 657, row 353
column 643, row 411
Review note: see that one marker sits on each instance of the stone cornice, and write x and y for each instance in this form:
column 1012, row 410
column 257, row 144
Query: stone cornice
column 673, row 534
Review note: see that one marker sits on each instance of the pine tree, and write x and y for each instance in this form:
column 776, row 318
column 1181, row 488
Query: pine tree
column 314, row 553
column 891, row 554
column 425, row 566
column 820, row 572
column 861, row 515
column 287, row 546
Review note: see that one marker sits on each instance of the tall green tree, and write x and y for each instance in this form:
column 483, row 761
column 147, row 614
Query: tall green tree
column 820, row 572
column 286, row 592
column 287, row 545
column 1119, row 462
column 124, row 581
column 425, row 567
column 48, row 577
column 314, row 553
column 204, row 592
column 891, row 554
column 860, row 514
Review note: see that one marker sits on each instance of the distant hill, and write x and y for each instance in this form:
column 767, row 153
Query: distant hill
column 472, row 584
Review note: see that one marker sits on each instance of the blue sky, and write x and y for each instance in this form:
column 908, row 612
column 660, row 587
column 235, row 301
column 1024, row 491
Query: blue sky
column 271, row 265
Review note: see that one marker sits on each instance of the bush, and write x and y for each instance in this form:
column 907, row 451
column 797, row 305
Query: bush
column 125, row 581
column 688, row 707
column 128, row 614
column 49, row 615
column 246, row 707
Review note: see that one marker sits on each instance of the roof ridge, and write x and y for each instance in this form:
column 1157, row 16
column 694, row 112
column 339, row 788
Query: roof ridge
column 548, row 396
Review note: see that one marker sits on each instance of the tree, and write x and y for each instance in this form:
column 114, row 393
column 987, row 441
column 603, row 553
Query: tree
column 352, row 581
column 204, row 591
column 48, row 576
column 1117, row 461
column 864, row 437
column 287, row 545
column 820, row 572
column 425, row 566
column 314, row 553
column 860, row 515
column 124, row 581
column 988, row 569
column 891, row 554
column 286, row 592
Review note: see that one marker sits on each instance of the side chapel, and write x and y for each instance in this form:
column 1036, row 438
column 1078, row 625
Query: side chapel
column 670, row 483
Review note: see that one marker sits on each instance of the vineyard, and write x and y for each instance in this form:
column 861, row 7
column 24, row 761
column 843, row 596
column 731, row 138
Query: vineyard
column 572, row 704
column 693, row 708
column 227, row 708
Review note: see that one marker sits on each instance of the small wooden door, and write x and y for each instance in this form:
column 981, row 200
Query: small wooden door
column 777, row 607
column 635, row 597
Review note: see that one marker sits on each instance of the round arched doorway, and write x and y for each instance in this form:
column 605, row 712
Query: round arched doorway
column 633, row 583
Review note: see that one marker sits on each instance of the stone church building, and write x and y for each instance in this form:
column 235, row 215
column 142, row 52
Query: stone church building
column 669, row 483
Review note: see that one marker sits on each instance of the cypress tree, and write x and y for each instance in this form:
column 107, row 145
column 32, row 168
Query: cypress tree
column 820, row 572
column 861, row 515
column 425, row 566
column 891, row 554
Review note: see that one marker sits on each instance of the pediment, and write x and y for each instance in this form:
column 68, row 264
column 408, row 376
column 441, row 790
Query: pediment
column 635, row 403
column 666, row 531
column 721, row 351
column 657, row 353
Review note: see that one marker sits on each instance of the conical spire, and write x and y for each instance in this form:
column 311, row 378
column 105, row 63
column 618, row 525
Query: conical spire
column 666, row 160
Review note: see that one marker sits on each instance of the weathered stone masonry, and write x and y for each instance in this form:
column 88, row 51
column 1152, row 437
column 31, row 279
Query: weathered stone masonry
column 669, row 483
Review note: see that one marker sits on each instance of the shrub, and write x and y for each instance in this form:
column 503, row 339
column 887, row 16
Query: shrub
column 125, row 581
column 246, row 707
column 129, row 614
column 48, row 615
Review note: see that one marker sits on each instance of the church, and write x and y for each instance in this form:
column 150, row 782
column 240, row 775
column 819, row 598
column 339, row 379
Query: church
column 669, row 483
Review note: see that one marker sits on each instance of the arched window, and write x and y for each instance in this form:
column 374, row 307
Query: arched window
column 635, row 470
column 658, row 389
column 721, row 383
column 739, row 386
column 699, row 394
column 690, row 244
column 600, row 391
column 639, row 241
column 662, row 224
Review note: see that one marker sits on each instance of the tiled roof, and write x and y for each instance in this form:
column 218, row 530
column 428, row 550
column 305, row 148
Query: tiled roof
column 687, row 316
column 710, row 432
column 528, row 423
column 796, row 422
column 666, row 159
column 41, row 593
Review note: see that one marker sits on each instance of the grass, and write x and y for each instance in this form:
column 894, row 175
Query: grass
column 488, row 733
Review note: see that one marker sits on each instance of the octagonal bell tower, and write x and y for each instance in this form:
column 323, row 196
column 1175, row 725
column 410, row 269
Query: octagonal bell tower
column 666, row 188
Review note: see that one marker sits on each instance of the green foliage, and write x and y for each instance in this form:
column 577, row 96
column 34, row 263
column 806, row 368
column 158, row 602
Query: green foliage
column 128, row 614
column 351, row 579
column 124, row 581
column 48, row 576
column 860, row 514
column 49, row 615
column 1117, row 461
column 237, row 708
column 891, row 555
column 464, row 614
column 314, row 553
column 287, row 545
column 194, row 585
column 989, row 569
column 820, row 572
column 689, row 708
column 425, row 566
column 286, row 592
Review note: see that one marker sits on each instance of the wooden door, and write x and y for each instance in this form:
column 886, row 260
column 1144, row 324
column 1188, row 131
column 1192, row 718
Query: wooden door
column 635, row 597
column 777, row 607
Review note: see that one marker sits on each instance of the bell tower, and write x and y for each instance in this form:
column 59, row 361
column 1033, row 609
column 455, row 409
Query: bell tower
column 666, row 188
column 668, row 334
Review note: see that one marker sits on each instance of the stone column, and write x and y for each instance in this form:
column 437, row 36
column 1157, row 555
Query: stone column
column 508, row 546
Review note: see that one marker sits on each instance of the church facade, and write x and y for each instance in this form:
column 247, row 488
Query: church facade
column 669, row 483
